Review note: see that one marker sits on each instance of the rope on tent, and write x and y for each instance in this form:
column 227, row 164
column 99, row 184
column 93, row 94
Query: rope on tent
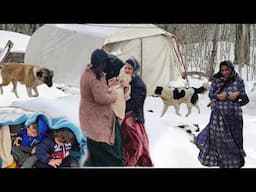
column 184, row 75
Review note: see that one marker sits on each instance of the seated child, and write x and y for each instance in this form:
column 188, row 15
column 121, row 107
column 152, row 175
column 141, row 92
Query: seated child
column 122, row 87
column 24, row 145
column 54, row 151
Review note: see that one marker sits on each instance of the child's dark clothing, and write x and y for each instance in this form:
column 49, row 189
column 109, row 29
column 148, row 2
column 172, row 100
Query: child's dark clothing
column 48, row 150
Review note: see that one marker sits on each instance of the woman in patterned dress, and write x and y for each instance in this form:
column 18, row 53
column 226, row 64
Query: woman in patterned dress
column 221, row 142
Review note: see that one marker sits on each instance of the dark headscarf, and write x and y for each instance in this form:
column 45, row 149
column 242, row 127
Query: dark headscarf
column 232, row 72
column 135, row 64
column 105, row 62
column 99, row 59
column 113, row 66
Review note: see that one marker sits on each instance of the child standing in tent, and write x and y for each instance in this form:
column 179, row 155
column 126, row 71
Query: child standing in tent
column 54, row 151
column 24, row 145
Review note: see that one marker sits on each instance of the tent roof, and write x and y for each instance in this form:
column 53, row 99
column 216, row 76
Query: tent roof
column 97, row 30
column 135, row 31
column 113, row 32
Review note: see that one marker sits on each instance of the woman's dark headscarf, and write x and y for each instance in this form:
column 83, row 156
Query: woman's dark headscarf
column 105, row 62
column 113, row 66
column 99, row 59
column 135, row 64
column 232, row 72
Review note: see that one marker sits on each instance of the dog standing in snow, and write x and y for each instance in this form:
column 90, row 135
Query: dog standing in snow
column 30, row 75
column 177, row 96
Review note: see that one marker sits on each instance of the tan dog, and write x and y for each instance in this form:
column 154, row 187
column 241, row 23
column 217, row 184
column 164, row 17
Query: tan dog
column 30, row 75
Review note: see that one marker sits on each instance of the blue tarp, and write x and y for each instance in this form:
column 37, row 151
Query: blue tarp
column 53, row 123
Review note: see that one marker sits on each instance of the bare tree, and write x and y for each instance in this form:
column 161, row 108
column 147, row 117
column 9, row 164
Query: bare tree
column 205, row 45
column 213, row 58
column 242, row 45
column 27, row 29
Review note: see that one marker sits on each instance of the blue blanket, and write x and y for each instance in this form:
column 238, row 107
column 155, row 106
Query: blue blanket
column 53, row 123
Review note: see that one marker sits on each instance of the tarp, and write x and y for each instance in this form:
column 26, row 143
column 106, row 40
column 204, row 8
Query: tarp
column 15, row 116
column 66, row 49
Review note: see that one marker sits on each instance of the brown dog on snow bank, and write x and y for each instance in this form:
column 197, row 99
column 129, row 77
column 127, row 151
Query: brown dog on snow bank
column 30, row 75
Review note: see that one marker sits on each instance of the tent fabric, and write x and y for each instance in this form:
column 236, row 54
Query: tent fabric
column 66, row 49
column 16, row 116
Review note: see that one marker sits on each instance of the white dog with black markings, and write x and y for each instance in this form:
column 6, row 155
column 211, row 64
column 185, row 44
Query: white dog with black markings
column 177, row 96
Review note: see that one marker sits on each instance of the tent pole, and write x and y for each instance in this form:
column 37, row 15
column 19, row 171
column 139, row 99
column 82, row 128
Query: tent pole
column 184, row 75
column 141, row 56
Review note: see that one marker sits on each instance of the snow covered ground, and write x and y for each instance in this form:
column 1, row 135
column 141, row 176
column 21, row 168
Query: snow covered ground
column 170, row 146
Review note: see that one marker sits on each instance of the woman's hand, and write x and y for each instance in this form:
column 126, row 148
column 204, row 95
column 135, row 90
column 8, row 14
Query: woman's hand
column 112, row 82
column 233, row 96
column 221, row 96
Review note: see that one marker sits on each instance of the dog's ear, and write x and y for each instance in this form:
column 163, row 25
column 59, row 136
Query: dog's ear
column 39, row 73
column 158, row 90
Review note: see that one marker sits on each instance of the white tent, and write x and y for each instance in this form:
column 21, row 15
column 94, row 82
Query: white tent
column 66, row 48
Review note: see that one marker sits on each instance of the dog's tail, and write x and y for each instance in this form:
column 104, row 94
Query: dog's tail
column 201, row 89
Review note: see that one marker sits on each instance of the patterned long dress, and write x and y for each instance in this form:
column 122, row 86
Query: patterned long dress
column 221, row 141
